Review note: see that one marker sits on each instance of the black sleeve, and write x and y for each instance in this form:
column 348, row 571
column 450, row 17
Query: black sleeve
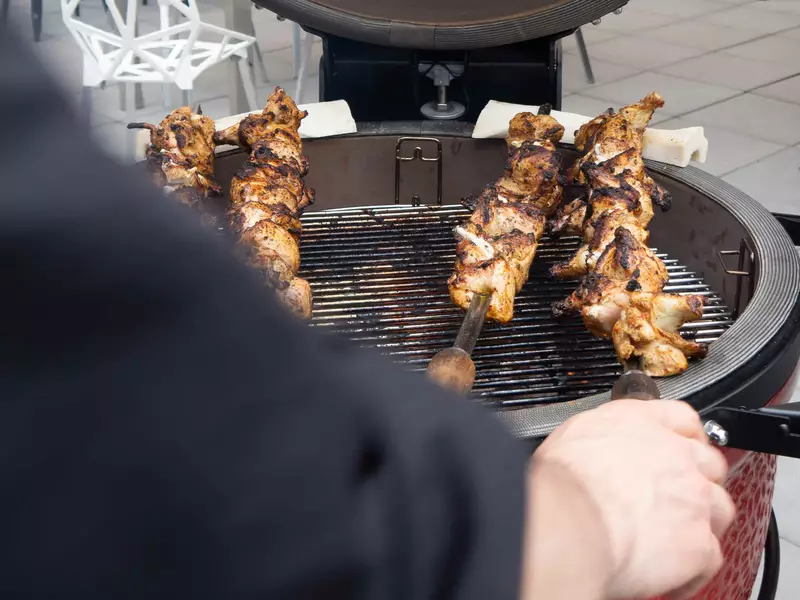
column 166, row 432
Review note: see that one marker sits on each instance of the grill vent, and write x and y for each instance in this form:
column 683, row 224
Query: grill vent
column 379, row 278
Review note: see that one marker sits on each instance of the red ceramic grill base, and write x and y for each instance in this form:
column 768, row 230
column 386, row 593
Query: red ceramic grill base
column 751, row 483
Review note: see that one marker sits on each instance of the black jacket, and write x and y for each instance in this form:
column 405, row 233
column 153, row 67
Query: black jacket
column 166, row 432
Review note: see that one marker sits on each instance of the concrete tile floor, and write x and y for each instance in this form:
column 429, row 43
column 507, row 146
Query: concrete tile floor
column 732, row 66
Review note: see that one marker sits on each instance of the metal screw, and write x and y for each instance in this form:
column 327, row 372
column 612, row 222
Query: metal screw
column 618, row 11
column 716, row 433
column 597, row 21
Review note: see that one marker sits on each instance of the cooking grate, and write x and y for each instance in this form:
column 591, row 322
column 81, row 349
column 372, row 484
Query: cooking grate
column 379, row 277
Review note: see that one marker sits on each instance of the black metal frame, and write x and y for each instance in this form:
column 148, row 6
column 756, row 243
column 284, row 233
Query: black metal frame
column 384, row 83
column 773, row 429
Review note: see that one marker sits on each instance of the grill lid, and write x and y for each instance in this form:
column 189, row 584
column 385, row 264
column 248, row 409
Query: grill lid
column 442, row 24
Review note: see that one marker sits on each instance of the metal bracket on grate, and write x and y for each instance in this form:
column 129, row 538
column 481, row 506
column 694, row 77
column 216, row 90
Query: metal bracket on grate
column 417, row 155
column 747, row 259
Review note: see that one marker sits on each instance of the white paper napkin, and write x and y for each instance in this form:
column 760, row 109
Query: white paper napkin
column 675, row 147
column 325, row 119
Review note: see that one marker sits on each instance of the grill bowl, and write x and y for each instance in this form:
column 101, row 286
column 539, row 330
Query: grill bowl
column 746, row 366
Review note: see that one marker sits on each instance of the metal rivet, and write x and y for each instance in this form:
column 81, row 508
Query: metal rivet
column 618, row 11
column 597, row 21
column 716, row 433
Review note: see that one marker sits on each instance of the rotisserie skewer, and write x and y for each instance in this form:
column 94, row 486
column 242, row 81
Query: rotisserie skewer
column 621, row 293
column 498, row 243
column 268, row 195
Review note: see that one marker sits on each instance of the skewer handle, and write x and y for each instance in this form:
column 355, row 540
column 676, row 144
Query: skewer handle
column 635, row 385
column 453, row 367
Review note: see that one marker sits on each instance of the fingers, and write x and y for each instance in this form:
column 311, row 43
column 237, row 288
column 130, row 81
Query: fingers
column 723, row 511
column 712, row 564
column 679, row 417
column 710, row 461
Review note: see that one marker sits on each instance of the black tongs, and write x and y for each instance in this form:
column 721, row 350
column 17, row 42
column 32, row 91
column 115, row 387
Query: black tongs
column 771, row 430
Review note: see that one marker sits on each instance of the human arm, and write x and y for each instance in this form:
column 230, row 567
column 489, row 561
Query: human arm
column 167, row 431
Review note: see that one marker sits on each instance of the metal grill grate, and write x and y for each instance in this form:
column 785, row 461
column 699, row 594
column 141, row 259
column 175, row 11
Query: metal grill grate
column 379, row 277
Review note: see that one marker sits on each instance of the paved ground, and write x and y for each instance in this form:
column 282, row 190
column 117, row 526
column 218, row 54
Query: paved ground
column 732, row 66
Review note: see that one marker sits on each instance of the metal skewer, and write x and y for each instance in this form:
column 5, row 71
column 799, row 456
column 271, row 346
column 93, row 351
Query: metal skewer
column 453, row 367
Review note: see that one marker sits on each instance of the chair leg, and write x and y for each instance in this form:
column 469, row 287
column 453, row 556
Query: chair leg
column 36, row 19
column 587, row 63
column 4, row 12
column 260, row 59
column 86, row 104
column 130, row 101
column 296, row 47
column 308, row 45
column 247, row 84
column 187, row 97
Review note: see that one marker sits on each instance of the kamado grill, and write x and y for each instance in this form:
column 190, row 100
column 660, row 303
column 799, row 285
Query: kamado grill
column 377, row 246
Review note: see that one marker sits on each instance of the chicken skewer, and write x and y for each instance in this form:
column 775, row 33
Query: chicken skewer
column 621, row 293
column 498, row 242
column 181, row 157
column 268, row 195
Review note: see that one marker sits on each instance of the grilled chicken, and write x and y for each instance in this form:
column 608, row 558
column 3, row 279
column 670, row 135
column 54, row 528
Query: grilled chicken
column 181, row 155
column 647, row 329
column 268, row 195
column 498, row 243
column 619, row 295
column 626, row 265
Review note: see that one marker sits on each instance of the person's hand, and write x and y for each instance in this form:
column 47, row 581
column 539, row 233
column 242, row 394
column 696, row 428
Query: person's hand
column 632, row 493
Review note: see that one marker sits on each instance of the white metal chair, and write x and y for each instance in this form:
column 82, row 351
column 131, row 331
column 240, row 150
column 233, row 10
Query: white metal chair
column 174, row 54
column 302, row 56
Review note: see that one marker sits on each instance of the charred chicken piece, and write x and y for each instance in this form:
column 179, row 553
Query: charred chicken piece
column 181, row 155
column 279, row 122
column 498, row 243
column 268, row 195
column 626, row 265
column 611, row 207
column 615, row 142
column 611, row 134
column 648, row 329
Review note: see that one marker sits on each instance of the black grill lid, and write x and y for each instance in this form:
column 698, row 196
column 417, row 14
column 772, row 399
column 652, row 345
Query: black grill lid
column 442, row 24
